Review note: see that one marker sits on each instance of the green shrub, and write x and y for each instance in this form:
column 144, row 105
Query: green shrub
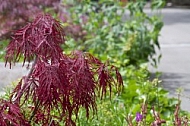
column 138, row 92
column 124, row 35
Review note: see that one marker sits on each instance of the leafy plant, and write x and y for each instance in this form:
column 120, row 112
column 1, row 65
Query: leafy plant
column 142, row 102
column 57, row 85
column 131, row 36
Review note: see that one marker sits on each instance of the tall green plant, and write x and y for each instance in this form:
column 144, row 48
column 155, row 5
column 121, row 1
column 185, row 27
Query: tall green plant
column 125, row 35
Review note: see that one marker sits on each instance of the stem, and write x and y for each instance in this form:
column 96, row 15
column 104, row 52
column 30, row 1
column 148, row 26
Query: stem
column 157, row 92
column 34, row 112
column 25, row 85
column 32, row 69
column 37, row 103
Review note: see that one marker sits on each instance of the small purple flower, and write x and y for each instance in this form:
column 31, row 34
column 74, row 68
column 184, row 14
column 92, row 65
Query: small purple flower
column 139, row 117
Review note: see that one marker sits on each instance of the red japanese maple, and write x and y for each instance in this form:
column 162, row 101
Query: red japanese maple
column 56, row 81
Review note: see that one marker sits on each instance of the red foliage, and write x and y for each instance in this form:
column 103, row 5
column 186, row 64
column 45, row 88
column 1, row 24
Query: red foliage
column 40, row 38
column 10, row 114
column 15, row 13
column 64, row 83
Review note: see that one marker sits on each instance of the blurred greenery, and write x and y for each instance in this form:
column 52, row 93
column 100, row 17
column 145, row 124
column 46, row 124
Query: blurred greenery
column 117, row 33
column 3, row 45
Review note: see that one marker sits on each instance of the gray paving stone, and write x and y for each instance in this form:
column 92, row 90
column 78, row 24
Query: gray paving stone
column 9, row 75
column 175, row 49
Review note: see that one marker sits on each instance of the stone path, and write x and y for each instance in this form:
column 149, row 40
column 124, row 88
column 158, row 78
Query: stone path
column 9, row 75
column 175, row 49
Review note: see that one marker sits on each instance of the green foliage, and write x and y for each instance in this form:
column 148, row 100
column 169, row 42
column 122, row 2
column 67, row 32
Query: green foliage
column 158, row 4
column 138, row 90
column 3, row 45
column 127, row 34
